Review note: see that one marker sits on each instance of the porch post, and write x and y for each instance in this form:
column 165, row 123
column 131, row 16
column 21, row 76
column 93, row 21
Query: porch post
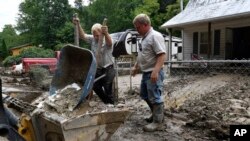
column 209, row 41
column 170, row 45
column 169, row 53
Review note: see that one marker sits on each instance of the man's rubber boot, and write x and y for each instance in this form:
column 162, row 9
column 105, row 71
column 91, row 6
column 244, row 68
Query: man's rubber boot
column 150, row 105
column 158, row 117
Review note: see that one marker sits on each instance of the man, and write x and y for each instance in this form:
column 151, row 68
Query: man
column 101, row 46
column 150, row 60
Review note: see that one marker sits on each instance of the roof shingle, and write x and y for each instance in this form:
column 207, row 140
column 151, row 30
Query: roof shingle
column 209, row 10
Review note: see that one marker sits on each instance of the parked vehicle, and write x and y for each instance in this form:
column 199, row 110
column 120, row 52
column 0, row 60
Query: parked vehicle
column 48, row 63
column 17, row 69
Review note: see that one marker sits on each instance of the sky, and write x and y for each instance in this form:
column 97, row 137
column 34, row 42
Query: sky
column 9, row 11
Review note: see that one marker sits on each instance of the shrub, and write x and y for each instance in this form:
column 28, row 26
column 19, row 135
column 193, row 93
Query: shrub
column 33, row 52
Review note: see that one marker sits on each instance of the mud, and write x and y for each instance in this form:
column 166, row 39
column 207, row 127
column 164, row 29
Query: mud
column 197, row 108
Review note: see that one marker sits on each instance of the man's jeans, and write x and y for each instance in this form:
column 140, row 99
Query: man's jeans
column 152, row 91
column 103, row 87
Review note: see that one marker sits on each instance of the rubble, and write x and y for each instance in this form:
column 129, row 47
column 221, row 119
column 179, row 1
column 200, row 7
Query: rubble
column 203, row 116
column 65, row 99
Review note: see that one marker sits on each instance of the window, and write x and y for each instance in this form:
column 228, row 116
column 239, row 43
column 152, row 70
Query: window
column 195, row 43
column 203, row 42
column 217, row 42
column 200, row 43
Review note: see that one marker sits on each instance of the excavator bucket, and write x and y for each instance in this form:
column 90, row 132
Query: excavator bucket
column 75, row 65
column 86, row 127
column 42, row 124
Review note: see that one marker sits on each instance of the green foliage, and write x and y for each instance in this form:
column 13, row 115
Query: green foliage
column 8, row 30
column 173, row 10
column 33, row 52
column 58, row 47
column 36, row 52
column 123, row 15
column 50, row 22
column 11, row 39
column 11, row 60
column 147, row 7
column 66, row 33
column 9, row 35
column 43, row 19
column 4, row 49
column 151, row 8
column 119, row 14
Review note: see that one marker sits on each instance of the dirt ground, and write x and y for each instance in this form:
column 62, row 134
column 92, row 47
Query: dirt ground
column 197, row 107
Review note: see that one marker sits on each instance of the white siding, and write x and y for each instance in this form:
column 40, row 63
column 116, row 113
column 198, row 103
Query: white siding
column 188, row 44
column 222, row 26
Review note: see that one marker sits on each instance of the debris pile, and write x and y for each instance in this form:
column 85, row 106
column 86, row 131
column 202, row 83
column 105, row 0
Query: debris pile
column 63, row 102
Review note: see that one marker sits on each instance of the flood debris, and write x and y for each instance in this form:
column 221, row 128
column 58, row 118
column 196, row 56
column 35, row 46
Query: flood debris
column 65, row 99
column 202, row 115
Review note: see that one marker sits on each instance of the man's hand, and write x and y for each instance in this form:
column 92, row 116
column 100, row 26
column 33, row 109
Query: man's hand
column 76, row 20
column 154, row 77
column 105, row 30
column 134, row 71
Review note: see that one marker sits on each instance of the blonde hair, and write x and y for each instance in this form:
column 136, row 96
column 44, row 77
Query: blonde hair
column 96, row 27
column 142, row 19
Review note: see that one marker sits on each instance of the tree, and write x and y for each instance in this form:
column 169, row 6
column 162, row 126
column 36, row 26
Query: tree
column 49, row 22
column 66, row 33
column 4, row 49
column 9, row 38
column 42, row 19
column 151, row 8
column 9, row 35
column 118, row 12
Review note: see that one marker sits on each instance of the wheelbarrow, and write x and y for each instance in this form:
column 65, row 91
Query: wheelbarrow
column 78, row 65
column 75, row 65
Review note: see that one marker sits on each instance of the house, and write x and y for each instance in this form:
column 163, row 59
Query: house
column 214, row 29
column 16, row 50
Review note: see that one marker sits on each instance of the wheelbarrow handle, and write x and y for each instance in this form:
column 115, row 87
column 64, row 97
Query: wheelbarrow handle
column 100, row 77
column 76, row 31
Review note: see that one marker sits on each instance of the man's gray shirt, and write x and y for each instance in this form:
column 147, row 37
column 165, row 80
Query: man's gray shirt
column 149, row 46
column 104, row 57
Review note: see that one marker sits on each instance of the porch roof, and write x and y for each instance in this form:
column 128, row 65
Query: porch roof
column 198, row 11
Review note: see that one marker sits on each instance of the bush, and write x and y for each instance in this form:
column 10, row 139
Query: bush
column 11, row 60
column 36, row 52
column 38, row 74
column 58, row 47
column 33, row 52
